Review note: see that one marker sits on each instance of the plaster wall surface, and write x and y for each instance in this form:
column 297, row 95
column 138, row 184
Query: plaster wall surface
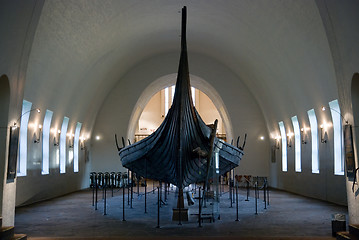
column 35, row 186
column 340, row 22
column 268, row 61
column 18, row 21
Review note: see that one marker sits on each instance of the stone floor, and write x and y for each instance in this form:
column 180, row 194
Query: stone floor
column 288, row 216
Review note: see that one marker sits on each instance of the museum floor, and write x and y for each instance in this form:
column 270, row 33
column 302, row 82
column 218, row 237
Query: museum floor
column 288, row 216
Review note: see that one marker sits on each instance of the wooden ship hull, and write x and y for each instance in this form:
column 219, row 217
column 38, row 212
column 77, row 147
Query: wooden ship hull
column 181, row 150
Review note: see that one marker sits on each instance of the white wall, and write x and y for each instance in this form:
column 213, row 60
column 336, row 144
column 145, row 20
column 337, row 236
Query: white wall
column 18, row 20
column 340, row 22
column 244, row 113
column 325, row 185
column 298, row 55
column 36, row 187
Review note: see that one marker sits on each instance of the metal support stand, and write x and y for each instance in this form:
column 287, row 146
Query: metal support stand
column 166, row 192
column 145, row 195
column 179, row 208
column 204, row 198
column 158, row 208
column 131, row 188
column 230, row 188
column 128, row 187
column 267, row 195
column 233, row 180
column 160, row 192
column 104, row 203
column 199, row 208
column 237, row 202
column 138, row 187
column 123, row 203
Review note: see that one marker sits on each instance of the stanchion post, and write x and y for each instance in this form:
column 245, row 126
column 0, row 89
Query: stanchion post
column 199, row 208
column 265, row 197
column 165, row 192
column 138, row 187
column 233, row 180
column 179, row 209
column 93, row 195
column 96, row 197
column 230, row 191
column 230, row 188
column 131, row 188
column 237, row 202
column 104, row 202
column 160, row 191
column 255, row 193
column 145, row 195
column 123, row 202
column 128, row 187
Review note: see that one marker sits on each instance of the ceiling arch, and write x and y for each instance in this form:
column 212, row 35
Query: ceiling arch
column 82, row 49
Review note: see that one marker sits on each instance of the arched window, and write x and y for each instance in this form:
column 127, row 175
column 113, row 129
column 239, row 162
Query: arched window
column 64, row 126
column 46, row 141
column 315, row 148
column 284, row 147
column 24, row 121
column 298, row 164
column 338, row 137
column 76, row 146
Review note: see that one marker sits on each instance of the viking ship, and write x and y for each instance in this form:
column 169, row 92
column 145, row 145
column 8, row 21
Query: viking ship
column 181, row 150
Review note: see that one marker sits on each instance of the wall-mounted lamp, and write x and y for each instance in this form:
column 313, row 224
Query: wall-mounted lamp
column 37, row 110
column 277, row 138
column 56, row 133
column 346, row 121
column 289, row 139
column 71, row 139
column 303, row 134
column 323, row 132
column 82, row 143
column 38, row 130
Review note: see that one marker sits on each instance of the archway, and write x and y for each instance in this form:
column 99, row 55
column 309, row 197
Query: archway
column 4, row 112
column 169, row 80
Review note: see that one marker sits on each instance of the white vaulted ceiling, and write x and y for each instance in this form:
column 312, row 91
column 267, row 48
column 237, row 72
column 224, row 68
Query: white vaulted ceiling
column 83, row 48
